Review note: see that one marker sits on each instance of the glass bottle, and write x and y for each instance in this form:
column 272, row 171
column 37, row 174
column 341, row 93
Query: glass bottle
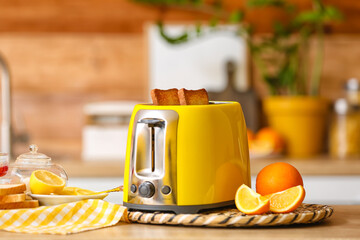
column 345, row 130
column 352, row 88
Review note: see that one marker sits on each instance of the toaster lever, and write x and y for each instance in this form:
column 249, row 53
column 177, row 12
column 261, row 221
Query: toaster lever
column 153, row 122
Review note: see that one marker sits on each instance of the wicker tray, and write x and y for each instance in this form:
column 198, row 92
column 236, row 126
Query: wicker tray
column 231, row 217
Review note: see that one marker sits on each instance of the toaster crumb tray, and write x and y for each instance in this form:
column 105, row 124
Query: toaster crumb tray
column 231, row 217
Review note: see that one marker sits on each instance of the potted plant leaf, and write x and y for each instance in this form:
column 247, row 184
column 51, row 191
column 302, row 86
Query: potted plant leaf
column 293, row 107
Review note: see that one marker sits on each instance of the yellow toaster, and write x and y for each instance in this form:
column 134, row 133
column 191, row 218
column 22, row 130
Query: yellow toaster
column 185, row 158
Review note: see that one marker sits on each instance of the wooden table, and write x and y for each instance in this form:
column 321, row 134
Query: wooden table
column 344, row 224
column 314, row 166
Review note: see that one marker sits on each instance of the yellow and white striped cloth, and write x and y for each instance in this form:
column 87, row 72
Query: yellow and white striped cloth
column 63, row 219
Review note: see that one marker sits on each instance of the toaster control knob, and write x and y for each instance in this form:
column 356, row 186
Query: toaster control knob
column 147, row 189
column 166, row 190
column 133, row 188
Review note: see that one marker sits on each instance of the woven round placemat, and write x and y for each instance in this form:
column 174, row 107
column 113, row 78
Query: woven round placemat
column 231, row 217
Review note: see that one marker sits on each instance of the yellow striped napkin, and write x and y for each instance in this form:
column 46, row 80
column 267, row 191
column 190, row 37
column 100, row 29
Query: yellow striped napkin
column 63, row 219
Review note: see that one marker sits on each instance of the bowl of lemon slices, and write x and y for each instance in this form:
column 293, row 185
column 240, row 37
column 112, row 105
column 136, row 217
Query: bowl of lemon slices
column 49, row 189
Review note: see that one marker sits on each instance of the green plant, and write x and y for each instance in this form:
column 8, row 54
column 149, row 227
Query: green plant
column 281, row 56
column 288, row 46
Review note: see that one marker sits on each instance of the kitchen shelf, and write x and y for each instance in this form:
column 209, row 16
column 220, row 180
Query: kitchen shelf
column 322, row 166
column 313, row 166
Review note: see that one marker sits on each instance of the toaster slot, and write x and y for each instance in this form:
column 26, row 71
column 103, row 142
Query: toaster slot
column 153, row 158
column 150, row 136
column 152, row 149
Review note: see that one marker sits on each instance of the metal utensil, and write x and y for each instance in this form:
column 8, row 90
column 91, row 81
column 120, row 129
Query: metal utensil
column 117, row 189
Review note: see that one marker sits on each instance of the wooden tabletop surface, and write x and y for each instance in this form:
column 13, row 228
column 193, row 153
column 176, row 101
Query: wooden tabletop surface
column 315, row 166
column 343, row 224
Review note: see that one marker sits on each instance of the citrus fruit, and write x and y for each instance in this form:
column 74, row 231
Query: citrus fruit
column 268, row 136
column 45, row 182
column 75, row 191
column 250, row 202
column 81, row 191
column 277, row 177
column 68, row 191
column 260, row 147
column 286, row 201
column 250, row 135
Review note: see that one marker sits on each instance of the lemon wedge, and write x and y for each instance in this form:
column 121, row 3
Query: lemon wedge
column 45, row 182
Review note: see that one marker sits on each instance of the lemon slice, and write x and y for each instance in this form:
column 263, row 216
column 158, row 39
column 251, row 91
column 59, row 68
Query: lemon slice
column 45, row 182
column 81, row 191
column 76, row 191
column 68, row 191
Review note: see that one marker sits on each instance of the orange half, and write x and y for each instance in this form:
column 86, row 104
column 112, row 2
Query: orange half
column 287, row 200
column 250, row 202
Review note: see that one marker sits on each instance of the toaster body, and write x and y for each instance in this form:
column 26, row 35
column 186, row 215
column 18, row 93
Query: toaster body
column 185, row 158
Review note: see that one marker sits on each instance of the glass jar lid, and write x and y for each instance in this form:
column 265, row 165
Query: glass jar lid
column 33, row 157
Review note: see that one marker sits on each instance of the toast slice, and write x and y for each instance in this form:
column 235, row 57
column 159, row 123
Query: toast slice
column 193, row 97
column 7, row 189
column 165, row 97
column 16, row 205
column 13, row 198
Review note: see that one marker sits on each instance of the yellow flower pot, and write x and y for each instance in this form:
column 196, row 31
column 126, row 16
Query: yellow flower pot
column 301, row 120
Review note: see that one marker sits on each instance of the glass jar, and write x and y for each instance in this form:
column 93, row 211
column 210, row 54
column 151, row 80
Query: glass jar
column 26, row 163
column 4, row 164
column 352, row 88
column 345, row 131
column 6, row 176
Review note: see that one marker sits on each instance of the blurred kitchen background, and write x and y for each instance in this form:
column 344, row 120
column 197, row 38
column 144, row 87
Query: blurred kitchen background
column 78, row 67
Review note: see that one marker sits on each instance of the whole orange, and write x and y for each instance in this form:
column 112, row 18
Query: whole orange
column 250, row 135
column 277, row 177
column 269, row 135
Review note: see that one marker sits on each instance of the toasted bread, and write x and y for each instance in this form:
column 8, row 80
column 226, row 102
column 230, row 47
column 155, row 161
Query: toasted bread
column 193, row 97
column 13, row 198
column 23, row 204
column 28, row 197
column 165, row 97
column 7, row 189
